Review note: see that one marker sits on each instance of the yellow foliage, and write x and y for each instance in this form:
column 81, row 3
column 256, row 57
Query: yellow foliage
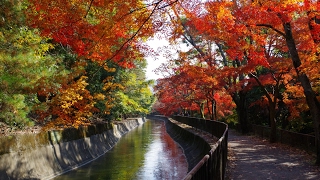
column 99, row 96
column 73, row 105
column 108, row 69
column 109, row 105
column 109, row 85
column 224, row 13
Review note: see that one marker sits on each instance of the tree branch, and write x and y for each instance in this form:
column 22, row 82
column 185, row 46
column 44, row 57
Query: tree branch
column 88, row 9
column 262, row 87
column 273, row 28
column 135, row 34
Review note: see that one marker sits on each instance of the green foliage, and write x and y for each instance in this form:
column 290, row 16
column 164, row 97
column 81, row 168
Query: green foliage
column 14, row 110
column 125, row 92
column 22, row 66
column 301, row 125
column 24, row 62
column 102, row 85
column 231, row 120
column 135, row 98
column 38, row 76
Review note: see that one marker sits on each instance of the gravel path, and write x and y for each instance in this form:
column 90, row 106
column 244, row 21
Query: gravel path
column 253, row 158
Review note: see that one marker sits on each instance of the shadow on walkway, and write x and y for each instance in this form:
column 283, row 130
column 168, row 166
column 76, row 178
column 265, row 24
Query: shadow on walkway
column 253, row 158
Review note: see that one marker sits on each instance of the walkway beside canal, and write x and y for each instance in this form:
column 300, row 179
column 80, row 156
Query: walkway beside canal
column 254, row 158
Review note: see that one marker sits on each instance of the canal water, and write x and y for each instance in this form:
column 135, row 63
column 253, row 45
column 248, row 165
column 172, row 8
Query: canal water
column 145, row 153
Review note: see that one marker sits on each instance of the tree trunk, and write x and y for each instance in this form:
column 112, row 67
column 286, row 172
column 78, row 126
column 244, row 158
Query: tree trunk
column 202, row 110
column 272, row 118
column 272, row 106
column 240, row 100
column 208, row 107
column 311, row 98
column 214, row 109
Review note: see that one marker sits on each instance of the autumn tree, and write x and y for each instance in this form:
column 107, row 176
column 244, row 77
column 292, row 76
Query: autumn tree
column 245, row 24
column 208, row 49
column 102, row 84
column 55, row 61
column 24, row 62
column 98, row 30
column 189, row 90
column 293, row 25
column 242, row 31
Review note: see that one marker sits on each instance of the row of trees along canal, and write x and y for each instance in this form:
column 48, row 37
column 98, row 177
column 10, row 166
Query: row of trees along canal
column 254, row 61
column 64, row 62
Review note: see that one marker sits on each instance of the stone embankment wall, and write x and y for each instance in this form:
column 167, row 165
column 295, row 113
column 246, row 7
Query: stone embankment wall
column 48, row 154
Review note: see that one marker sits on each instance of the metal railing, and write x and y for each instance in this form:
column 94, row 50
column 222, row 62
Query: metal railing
column 212, row 165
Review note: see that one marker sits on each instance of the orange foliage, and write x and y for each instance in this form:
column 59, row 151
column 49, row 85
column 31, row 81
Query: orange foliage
column 252, row 36
column 72, row 106
column 254, row 32
column 98, row 30
column 190, row 88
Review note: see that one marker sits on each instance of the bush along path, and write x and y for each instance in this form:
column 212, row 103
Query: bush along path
column 254, row 158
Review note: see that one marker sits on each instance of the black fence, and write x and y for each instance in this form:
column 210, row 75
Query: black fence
column 299, row 140
column 212, row 165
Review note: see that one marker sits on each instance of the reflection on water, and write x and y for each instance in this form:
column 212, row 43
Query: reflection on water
column 146, row 152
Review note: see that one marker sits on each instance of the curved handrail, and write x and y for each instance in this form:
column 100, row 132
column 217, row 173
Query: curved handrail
column 213, row 164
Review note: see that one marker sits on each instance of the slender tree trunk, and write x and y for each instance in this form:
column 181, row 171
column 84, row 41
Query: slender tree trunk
column 272, row 106
column 272, row 118
column 202, row 110
column 214, row 109
column 311, row 98
column 243, row 113
column 208, row 107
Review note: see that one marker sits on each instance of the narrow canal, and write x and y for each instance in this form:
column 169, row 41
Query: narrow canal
column 147, row 152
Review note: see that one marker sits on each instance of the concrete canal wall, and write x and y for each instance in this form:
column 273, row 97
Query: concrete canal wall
column 193, row 144
column 48, row 154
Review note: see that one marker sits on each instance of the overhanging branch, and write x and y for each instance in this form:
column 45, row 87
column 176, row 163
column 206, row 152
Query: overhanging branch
column 273, row 28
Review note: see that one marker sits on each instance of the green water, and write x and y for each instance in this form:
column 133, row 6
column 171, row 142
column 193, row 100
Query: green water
column 147, row 152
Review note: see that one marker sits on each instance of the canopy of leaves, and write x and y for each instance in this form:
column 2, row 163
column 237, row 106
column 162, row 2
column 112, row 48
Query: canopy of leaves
column 23, row 64
column 62, row 63
column 237, row 46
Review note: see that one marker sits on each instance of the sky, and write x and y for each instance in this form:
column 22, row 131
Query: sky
column 154, row 63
